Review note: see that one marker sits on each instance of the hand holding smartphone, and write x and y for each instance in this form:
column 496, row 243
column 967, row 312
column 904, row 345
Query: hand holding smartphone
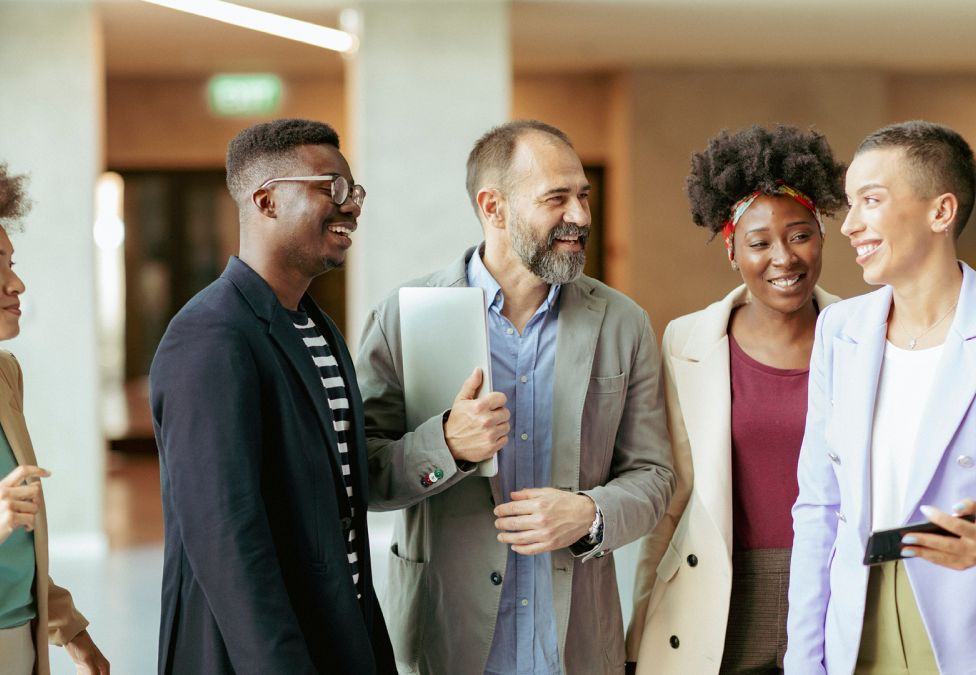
column 885, row 545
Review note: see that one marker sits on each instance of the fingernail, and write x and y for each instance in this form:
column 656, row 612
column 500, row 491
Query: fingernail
column 960, row 506
column 928, row 511
column 909, row 539
column 908, row 553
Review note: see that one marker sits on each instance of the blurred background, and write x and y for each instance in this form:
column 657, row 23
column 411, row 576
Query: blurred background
column 120, row 112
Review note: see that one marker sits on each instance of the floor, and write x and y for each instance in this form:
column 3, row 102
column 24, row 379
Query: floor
column 119, row 593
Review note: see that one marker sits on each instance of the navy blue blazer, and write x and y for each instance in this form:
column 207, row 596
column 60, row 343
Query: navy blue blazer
column 255, row 573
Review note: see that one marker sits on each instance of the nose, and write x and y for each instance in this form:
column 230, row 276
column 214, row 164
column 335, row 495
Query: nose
column 578, row 212
column 850, row 225
column 783, row 253
column 12, row 284
column 351, row 207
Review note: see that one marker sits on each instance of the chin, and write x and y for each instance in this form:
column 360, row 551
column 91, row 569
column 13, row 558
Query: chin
column 8, row 332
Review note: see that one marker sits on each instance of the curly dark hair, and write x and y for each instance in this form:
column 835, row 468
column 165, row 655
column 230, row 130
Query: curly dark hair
column 267, row 144
column 755, row 159
column 13, row 198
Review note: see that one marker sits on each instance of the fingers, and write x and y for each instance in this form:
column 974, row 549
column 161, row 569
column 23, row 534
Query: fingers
column 964, row 508
column 23, row 473
column 11, row 520
column 469, row 389
column 516, row 508
column 528, row 493
column 515, row 523
column 957, row 526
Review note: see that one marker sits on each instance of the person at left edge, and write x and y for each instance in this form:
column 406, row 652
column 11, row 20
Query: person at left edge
column 258, row 419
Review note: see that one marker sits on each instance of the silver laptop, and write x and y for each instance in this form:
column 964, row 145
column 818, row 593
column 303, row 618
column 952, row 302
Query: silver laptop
column 444, row 335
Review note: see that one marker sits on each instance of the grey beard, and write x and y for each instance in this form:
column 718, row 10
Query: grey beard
column 540, row 258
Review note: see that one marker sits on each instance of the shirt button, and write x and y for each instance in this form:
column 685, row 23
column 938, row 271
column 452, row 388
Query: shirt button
column 525, row 602
column 965, row 461
column 523, row 379
column 509, row 331
column 524, row 437
column 496, row 578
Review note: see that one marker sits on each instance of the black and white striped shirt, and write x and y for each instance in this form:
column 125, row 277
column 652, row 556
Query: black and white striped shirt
column 335, row 388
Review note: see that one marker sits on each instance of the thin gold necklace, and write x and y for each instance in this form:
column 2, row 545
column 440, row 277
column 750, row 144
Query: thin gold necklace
column 914, row 341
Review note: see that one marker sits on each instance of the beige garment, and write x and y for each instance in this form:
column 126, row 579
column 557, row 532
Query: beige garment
column 609, row 440
column 894, row 640
column 684, row 574
column 17, row 650
column 57, row 621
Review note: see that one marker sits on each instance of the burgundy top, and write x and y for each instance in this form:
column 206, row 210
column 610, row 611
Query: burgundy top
column 769, row 410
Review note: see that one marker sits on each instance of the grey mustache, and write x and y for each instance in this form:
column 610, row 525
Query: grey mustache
column 569, row 230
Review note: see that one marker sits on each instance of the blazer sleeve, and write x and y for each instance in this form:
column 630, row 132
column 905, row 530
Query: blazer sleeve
column 206, row 398
column 814, row 521
column 654, row 545
column 64, row 621
column 397, row 457
column 641, row 476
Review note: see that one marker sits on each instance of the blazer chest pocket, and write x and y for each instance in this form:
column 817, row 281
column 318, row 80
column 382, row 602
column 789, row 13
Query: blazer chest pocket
column 601, row 416
column 607, row 385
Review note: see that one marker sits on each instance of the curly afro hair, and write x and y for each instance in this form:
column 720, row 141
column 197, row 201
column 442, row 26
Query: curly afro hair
column 755, row 159
column 13, row 198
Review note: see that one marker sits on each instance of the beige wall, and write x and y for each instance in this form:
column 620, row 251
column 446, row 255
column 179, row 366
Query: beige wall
column 164, row 122
column 642, row 125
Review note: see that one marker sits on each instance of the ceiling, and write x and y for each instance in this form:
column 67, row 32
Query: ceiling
column 583, row 36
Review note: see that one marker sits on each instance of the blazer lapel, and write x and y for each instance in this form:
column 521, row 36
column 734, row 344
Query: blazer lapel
column 15, row 429
column 953, row 390
column 702, row 377
column 858, row 354
column 580, row 320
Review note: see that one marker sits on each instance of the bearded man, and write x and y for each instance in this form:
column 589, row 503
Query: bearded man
column 514, row 574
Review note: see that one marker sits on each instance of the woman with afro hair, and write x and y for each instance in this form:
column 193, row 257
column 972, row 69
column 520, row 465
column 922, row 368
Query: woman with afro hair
column 33, row 610
column 712, row 580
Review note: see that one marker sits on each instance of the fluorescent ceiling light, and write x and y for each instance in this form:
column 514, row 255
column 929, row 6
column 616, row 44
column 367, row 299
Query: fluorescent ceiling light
column 266, row 22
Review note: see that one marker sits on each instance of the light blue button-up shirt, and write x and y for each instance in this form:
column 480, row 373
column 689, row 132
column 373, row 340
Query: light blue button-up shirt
column 522, row 368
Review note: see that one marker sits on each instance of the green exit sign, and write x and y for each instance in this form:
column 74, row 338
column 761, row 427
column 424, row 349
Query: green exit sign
column 244, row 95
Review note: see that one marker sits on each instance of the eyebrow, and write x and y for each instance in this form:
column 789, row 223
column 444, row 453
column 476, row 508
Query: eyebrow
column 564, row 190
column 870, row 186
column 763, row 228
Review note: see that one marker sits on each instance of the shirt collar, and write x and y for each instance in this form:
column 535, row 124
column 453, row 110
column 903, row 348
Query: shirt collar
column 479, row 277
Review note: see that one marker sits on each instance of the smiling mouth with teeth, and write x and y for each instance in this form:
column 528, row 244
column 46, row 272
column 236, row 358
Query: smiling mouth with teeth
column 340, row 229
column 787, row 282
column 866, row 249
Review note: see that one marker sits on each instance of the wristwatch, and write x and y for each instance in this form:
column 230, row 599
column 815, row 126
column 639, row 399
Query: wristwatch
column 595, row 535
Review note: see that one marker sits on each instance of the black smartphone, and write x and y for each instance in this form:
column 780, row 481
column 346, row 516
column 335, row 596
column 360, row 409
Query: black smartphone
column 885, row 545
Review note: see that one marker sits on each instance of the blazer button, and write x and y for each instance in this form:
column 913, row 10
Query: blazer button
column 833, row 457
column 674, row 642
column 693, row 560
column 496, row 578
column 965, row 461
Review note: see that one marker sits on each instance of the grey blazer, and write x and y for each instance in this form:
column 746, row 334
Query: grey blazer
column 609, row 440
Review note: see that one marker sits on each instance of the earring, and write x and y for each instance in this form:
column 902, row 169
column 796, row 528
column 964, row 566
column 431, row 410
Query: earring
column 735, row 266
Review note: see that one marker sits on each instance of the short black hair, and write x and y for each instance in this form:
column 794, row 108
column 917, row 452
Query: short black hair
column 251, row 152
column 14, row 203
column 758, row 159
column 491, row 157
column 941, row 161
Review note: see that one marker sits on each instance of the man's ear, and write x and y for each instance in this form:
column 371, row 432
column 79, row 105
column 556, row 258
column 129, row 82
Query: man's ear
column 265, row 202
column 491, row 206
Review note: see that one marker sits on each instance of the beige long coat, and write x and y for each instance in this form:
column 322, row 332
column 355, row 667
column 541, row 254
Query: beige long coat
column 57, row 622
column 672, row 597
column 609, row 440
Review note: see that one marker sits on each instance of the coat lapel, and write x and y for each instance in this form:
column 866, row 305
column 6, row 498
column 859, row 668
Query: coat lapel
column 703, row 381
column 953, row 390
column 580, row 320
column 858, row 354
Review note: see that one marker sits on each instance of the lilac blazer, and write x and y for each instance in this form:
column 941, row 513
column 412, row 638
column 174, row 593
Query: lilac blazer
column 832, row 516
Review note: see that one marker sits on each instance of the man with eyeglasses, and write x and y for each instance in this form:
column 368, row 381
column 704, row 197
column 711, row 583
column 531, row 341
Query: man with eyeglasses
column 259, row 424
